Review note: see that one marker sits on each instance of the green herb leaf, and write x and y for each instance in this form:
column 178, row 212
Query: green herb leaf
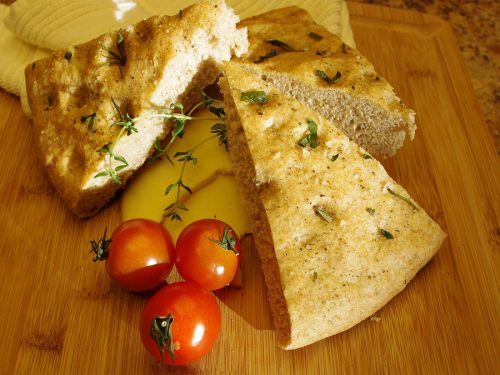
column 107, row 149
column 254, row 96
column 325, row 215
column 116, row 57
column 334, row 157
column 125, row 120
column 280, row 44
column 268, row 55
column 169, row 189
column 121, row 159
column 314, row 36
column 310, row 139
column 89, row 120
column 119, row 38
column 185, row 187
column 386, row 234
column 407, row 200
column 159, row 151
column 367, row 156
column 370, row 210
column 321, row 74
column 49, row 103
column 220, row 130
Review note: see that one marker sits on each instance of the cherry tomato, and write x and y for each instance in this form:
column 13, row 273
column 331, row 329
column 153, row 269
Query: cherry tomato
column 180, row 323
column 207, row 252
column 140, row 254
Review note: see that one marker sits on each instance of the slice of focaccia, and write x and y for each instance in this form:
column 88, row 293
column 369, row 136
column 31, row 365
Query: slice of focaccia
column 337, row 237
column 306, row 61
column 78, row 95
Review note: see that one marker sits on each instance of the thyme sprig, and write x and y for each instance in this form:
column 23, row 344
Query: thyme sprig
column 109, row 170
column 176, row 113
column 101, row 247
column 117, row 57
column 172, row 210
column 125, row 120
column 126, row 123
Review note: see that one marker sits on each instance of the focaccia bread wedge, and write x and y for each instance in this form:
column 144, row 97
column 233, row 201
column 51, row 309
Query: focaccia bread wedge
column 77, row 96
column 337, row 237
column 303, row 59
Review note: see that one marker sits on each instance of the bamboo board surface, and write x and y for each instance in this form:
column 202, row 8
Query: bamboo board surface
column 59, row 313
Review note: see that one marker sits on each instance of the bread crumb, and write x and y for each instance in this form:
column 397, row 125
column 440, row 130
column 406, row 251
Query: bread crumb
column 374, row 318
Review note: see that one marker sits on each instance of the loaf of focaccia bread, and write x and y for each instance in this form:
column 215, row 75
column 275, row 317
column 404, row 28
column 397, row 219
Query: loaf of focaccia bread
column 77, row 94
column 303, row 59
column 337, row 237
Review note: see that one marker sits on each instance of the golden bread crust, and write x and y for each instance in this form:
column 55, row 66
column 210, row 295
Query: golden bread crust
column 152, row 68
column 331, row 275
column 315, row 67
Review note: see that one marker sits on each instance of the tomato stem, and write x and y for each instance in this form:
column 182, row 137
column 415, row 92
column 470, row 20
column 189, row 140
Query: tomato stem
column 161, row 332
column 227, row 242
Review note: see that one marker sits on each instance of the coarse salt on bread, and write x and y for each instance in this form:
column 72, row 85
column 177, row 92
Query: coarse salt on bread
column 169, row 60
column 314, row 66
column 335, row 244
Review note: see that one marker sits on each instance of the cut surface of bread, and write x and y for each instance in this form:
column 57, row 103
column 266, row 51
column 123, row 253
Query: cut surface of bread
column 77, row 94
column 337, row 237
column 303, row 59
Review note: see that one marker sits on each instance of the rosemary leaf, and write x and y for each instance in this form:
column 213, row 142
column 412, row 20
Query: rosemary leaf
column 407, row 200
column 325, row 215
column 370, row 210
column 334, row 157
column 314, row 36
column 268, row 55
column 330, row 80
column 280, row 44
column 254, row 96
column 386, row 234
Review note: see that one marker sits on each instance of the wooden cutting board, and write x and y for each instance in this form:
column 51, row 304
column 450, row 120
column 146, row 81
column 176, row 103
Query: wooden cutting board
column 59, row 313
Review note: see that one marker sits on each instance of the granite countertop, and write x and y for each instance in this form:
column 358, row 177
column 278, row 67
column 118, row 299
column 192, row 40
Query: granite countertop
column 476, row 26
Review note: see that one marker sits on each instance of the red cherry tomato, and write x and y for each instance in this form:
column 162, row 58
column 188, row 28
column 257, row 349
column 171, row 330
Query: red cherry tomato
column 180, row 323
column 140, row 255
column 207, row 252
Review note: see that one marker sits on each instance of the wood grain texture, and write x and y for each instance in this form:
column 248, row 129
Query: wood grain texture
column 59, row 313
